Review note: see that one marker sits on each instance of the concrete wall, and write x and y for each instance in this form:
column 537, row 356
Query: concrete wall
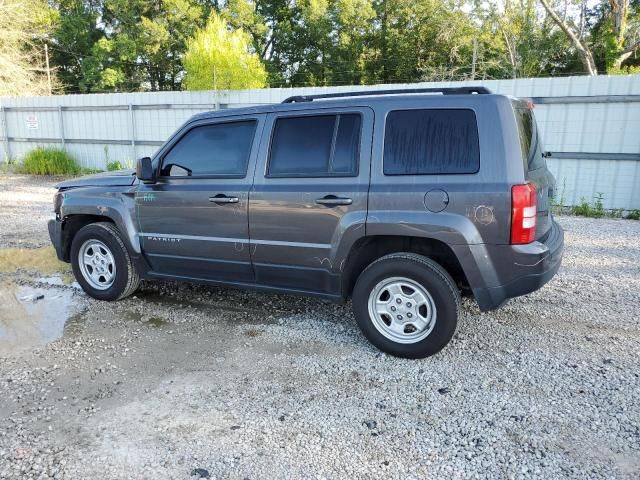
column 591, row 124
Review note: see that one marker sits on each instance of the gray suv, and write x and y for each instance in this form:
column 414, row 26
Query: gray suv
column 401, row 200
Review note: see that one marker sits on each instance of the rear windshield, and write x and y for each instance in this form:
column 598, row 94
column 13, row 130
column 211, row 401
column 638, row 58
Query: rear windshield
column 529, row 139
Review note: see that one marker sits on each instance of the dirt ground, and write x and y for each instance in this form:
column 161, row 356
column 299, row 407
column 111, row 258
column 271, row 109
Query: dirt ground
column 184, row 381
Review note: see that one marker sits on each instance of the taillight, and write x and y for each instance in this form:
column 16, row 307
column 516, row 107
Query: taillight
column 523, row 214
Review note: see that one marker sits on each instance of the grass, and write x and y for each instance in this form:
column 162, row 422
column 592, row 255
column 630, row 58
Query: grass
column 42, row 260
column 49, row 161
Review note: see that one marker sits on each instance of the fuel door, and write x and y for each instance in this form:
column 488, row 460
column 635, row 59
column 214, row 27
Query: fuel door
column 436, row 200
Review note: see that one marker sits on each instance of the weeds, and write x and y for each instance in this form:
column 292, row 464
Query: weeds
column 115, row 165
column 118, row 165
column 49, row 161
column 633, row 215
column 594, row 209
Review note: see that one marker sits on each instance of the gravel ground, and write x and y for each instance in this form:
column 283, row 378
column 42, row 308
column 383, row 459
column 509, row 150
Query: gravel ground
column 251, row 385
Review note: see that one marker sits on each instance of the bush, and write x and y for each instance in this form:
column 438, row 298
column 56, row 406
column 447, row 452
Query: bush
column 113, row 166
column 633, row 215
column 49, row 161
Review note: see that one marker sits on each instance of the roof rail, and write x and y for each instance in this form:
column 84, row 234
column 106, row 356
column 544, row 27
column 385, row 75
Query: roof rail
column 398, row 91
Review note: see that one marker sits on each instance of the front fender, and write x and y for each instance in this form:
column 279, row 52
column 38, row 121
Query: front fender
column 116, row 205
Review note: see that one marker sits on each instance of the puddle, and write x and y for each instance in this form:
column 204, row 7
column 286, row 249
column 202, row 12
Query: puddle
column 42, row 260
column 33, row 316
column 155, row 322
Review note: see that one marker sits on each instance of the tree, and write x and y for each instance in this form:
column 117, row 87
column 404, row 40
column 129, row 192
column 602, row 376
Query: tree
column 586, row 56
column 124, row 45
column 74, row 36
column 23, row 24
column 614, row 39
column 218, row 58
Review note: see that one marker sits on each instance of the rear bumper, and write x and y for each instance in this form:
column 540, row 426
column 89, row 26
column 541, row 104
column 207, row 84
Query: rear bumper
column 520, row 269
column 55, row 234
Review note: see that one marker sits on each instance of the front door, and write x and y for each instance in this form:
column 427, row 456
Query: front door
column 193, row 222
column 308, row 203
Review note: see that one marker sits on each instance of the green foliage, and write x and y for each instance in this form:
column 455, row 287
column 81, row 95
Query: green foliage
column 594, row 209
column 49, row 161
column 135, row 45
column 624, row 70
column 23, row 24
column 114, row 166
column 218, row 58
column 633, row 215
column 124, row 45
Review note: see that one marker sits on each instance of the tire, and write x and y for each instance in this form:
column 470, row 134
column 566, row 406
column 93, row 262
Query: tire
column 420, row 292
column 102, row 243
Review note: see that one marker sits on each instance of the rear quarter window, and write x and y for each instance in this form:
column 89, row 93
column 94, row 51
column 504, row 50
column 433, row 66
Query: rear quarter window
column 431, row 142
column 529, row 138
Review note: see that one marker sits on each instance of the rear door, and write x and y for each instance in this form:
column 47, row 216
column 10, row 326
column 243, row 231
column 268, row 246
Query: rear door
column 535, row 166
column 308, row 203
column 194, row 219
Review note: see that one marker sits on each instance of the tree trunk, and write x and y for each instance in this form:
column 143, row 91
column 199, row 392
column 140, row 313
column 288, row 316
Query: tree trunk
column 583, row 51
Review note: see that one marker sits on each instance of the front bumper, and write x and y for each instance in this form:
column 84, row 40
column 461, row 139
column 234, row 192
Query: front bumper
column 520, row 269
column 55, row 234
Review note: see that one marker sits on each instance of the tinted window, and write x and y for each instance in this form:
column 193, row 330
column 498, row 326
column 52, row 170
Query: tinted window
column 321, row 145
column 221, row 149
column 528, row 132
column 422, row 142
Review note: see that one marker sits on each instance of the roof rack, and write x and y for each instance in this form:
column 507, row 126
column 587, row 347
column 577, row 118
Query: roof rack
column 369, row 93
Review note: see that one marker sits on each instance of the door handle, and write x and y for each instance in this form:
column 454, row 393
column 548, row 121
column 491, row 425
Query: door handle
column 332, row 200
column 221, row 198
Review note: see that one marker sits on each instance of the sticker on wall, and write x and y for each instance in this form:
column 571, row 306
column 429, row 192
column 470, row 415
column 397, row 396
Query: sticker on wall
column 32, row 122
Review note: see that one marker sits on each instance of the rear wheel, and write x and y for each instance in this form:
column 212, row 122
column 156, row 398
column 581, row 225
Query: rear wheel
column 406, row 305
column 101, row 262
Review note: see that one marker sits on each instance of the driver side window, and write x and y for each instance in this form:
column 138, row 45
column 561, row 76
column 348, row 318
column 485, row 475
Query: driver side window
column 219, row 149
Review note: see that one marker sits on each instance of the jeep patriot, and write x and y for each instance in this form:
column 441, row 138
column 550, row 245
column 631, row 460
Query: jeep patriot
column 401, row 200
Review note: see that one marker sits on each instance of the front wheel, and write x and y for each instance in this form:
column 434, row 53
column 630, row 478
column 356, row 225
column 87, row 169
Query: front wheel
column 406, row 305
column 101, row 262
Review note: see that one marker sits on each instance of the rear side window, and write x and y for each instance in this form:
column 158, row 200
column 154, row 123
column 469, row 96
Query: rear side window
column 220, row 149
column 431, row 142
column 315, row 146
column 528, row 132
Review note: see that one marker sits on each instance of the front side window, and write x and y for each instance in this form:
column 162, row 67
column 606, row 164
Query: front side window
column 220, row 149
column 431, row 142
column 315, row 146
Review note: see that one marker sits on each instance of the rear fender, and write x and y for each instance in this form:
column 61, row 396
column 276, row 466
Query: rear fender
column 459, row 232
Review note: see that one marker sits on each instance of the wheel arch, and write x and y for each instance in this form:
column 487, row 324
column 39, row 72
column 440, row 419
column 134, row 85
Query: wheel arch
column 368, row 249
column 83, row 206
column 72, row 225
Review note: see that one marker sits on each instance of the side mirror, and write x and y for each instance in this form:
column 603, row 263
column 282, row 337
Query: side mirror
column 144, row 170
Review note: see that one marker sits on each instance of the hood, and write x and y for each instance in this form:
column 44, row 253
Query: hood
column 120, row 178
